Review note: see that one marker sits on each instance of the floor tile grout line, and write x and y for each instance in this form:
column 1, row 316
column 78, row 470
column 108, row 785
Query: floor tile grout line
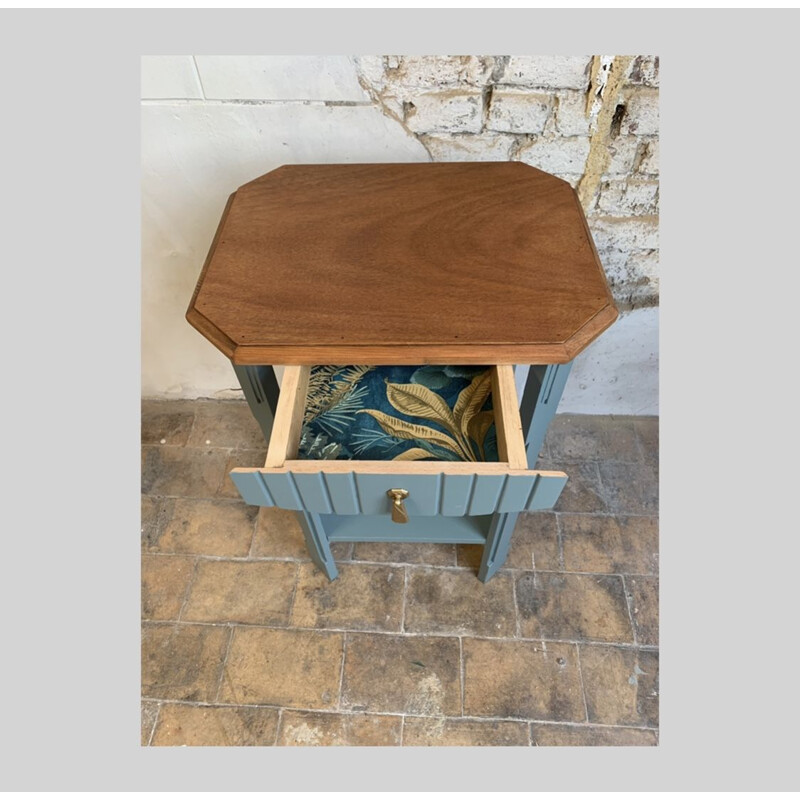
column 340, row 699
column 402, row 634
column 232, row 558
column 402, row 728
column 530, row 734
column 203, row 497
column 560, row 543
column 187, row 592
column 394, row 564
column 191, row 427
column 462, row 678
column 603, row 496
column 405, row 594
column 612, row 514
column 640, row 444
column 155, row 724
column 229, row 449
column 256, row 520
column 583, row 685
column 290, row 613
column 221, row 678
column 517, row 626
column 159, row 522
column 629, row 606
column 402, row 714
column 278, row 727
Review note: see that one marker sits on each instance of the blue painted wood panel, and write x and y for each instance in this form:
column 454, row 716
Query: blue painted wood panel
column 343, row 492
column 465, row 530
column 313, row 492
column 486, row 493
column 429, row 495
column 253, row 488
column 423, row 493
column 498, row 542
column 456, row 494
column 546, row 492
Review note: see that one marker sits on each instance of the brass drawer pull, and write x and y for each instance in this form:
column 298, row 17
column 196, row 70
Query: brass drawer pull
column 399, row 513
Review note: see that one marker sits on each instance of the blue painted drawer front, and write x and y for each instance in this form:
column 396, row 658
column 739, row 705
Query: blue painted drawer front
column 429, row 494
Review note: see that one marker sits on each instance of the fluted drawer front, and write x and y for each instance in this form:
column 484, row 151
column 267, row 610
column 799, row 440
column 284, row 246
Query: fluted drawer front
column 428, row 494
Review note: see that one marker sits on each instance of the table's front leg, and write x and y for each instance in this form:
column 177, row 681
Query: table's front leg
column 260, row 387
column 261, row 390
column 540, row 399
column 317, row 542
column 497, row 544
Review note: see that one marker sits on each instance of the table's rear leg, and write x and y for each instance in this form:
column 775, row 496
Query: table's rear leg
column 260, row 387
column 540, row 399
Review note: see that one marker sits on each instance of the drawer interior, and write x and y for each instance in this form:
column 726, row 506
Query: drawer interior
column 399, row 413
column 452, row 415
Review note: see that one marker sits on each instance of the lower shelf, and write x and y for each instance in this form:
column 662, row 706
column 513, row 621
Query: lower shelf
column 380, row 528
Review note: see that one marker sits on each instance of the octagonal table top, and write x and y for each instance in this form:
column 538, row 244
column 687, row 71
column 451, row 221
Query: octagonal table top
column 440, row 263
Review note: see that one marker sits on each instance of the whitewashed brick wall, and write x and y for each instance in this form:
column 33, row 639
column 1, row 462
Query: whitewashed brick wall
column 211, row 123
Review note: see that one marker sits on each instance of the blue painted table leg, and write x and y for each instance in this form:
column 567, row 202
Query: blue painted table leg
column 261, row 390
column 540, row 400
column 319, row 547
column 497, row 543
column 260, row 387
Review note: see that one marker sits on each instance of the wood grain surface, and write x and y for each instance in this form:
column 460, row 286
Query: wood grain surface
column 403, row 263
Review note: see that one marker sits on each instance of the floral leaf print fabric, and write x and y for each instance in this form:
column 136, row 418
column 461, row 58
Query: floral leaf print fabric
column 399, row 413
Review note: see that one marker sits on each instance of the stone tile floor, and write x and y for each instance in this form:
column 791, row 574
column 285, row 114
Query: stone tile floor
column 245, row 642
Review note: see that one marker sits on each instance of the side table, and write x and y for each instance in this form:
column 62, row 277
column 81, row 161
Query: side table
column 385, row 265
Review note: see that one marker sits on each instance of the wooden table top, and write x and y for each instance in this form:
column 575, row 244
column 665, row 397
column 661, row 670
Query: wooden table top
column 448, row 263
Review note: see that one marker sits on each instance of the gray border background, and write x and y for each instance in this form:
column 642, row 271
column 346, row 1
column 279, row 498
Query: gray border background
column 70, row 665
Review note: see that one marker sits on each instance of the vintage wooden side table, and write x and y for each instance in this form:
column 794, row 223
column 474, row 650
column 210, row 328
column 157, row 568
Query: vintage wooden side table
column 400, row 297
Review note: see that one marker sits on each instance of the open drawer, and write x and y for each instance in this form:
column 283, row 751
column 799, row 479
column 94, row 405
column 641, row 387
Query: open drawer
column 449, row 486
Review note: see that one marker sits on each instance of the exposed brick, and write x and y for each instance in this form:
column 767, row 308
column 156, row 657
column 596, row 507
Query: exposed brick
column 629, row 233
column 644, row 263
column 614, row 262
column 372, row 68
column 632, row 277
column 518, row 111
column 453, row 111
column 644, row 71
column 641, row 113
column 628, row 198
column 435, row 71
column 555, row 72
column 559, row 155
column 571, row 117
column 622, row 152
column 649, row 163
column 468, row 147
